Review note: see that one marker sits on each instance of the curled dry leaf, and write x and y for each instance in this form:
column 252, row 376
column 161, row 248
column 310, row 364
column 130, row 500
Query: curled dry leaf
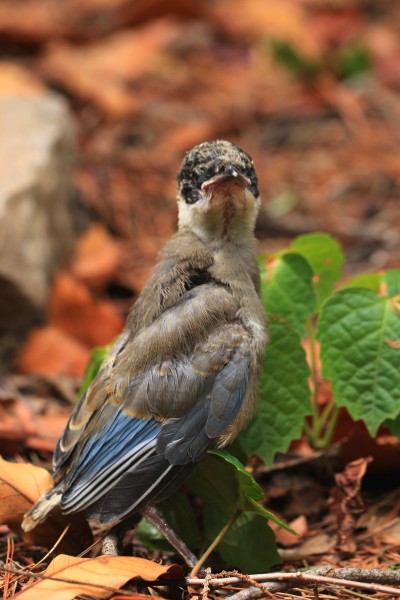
column 75, row 576
column 21, row 484
column 347, row 504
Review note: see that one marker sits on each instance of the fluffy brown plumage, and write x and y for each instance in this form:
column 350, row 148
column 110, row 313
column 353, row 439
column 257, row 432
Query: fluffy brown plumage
column 182, row 376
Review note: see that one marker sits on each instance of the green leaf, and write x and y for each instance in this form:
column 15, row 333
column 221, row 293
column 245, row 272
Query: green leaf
column 292, row 60
column 249, row 544
column 371, row 281
column 374, row 281
column 392, row 280
column 284, row 395
column 354, row 61
column 326, row 258
column 215, row 482
column 394, row 426
column 97, row 356
column 229, row 491
column 287, row 290
column 359, row 333
column 247, row 485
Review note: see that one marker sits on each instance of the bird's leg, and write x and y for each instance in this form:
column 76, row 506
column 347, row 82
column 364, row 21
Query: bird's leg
column 152, row 515
column 109, row 546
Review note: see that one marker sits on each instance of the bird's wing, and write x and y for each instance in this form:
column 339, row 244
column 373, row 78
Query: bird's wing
column 144, row 423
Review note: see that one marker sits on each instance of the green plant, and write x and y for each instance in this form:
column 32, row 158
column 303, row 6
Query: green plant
column 349, row 61
column 352, row 333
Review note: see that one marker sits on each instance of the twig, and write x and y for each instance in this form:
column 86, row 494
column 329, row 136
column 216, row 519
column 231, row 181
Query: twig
column 372, row 580
column 214, row 544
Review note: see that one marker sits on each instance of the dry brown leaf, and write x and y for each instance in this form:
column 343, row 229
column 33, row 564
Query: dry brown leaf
column 16, row 424
column 300, row 526
column 107, row 571
column 50, row 351
column 321, row 543
column 104, row 71
column 74, row 310
column 347, row 504
column 97, row 257
column 257, row 19
column 21, row 484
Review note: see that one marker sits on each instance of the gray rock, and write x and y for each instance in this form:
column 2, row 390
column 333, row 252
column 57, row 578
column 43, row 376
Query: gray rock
column 37, row 139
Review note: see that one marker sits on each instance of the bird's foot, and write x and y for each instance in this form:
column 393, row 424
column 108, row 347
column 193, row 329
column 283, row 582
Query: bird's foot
column 152, row 515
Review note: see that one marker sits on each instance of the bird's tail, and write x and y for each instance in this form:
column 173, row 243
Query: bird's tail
column 40, row 510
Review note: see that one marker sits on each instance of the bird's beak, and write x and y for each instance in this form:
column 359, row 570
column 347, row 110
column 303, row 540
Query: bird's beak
column 231, row 177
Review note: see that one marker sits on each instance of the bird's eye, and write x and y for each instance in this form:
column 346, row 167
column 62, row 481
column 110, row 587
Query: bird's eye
column 190, row 194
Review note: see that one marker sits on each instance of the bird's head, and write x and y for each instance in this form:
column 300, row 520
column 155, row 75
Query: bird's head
column 217, row 191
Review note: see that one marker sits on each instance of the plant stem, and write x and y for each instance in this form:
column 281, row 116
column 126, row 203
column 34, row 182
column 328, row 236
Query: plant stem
column 315, row 429
column 214, row 543
column 330, row 429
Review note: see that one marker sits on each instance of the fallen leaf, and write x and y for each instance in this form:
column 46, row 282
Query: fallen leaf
column 92, row 576
column 16, row 424
column 21, row 484
column 20, row 480
column 76, row 312
column 50, row 351
column 346, row 502
column 96, row 258
column 103, row 72
column 318, row 544
column 286, row 538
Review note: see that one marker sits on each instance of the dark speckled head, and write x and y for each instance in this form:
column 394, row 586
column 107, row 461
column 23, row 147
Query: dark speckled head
column 209, row 159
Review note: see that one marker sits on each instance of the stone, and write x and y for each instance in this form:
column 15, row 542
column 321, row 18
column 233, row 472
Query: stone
column 37, row 231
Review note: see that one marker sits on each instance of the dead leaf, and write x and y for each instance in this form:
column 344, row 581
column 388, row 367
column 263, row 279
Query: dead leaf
column 284, row 537
column 347, row 504
column 321, row 543
column 89, row 575
column 50, row 351
column 21, row 484
column 103, row 72
column 74, row 310
column 16, row 424
column 20, row 480
column 97, row 257
column 284, row 20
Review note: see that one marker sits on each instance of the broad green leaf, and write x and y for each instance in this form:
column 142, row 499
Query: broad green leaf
column 374, row 281
column 215, row 482
column 249, row 490
column 287, row 290
column 249, row 544
column 247, row 485
column 371, row 281
column 284, row 395
column 359, row 333
column 229, row 492
column 326, row 258
column 394, row 426
column 392, row 280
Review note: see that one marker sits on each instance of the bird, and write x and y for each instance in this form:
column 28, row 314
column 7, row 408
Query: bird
column 182, row 377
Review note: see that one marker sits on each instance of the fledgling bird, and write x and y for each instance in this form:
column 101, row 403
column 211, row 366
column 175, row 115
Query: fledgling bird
column 182, row 376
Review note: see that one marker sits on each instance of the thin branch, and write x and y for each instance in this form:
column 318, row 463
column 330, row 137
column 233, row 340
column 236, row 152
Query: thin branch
column 372, row 580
